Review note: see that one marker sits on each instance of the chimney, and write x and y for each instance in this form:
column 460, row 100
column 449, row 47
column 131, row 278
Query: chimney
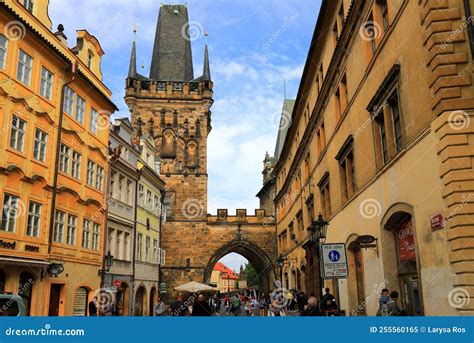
column 61, row 36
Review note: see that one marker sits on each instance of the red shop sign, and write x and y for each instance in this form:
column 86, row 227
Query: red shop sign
column 406, row 242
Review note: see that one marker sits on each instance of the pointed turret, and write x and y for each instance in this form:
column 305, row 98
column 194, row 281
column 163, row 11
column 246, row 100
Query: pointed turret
column 132, row 69
column 172, row 56
column 206, row 73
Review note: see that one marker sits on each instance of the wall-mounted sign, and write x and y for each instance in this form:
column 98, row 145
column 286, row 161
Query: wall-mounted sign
column 117, row 283
column 406, row 242
column 32, row 248
column 163, row 287
column 7, row 245
column 437, row 222
column 334, row 261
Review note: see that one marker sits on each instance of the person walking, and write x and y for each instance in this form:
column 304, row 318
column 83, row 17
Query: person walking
column 93, row 307
column 276, row 310
column 263, row 304
column 383, row 301
column 178, row 308
column 301, row 301
column 392, row 306
column 159, row 308
column 201, row 307
column 247, row 306
column 312, row 309
column 236, row 303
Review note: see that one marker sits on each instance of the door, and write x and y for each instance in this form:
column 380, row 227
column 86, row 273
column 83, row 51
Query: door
column 54, row 300
column 411, row 300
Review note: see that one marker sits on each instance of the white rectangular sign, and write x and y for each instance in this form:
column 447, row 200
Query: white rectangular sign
column 334, row 261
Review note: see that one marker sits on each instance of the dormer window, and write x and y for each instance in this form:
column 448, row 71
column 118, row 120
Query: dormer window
column 90, row 56
column 28, row 4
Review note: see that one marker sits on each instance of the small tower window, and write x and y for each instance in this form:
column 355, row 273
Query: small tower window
column 90, row 56
column 28, row 5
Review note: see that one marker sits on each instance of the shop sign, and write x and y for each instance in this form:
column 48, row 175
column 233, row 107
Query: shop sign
column 117, row 283
column 437, row 222
column 406, row 242
column 7, row 245
column 334, row 261
column 31, row 248
column 163, row 287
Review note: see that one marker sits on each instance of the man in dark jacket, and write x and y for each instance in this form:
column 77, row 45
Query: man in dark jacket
column 312, row 310
column 93, row 307
column 202, row 308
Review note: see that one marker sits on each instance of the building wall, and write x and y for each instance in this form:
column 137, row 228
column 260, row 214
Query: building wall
column 32, row 180
column 411, row 175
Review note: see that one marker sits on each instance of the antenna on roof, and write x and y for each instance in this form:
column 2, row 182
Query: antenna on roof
column 284, row 89
column 206, row 34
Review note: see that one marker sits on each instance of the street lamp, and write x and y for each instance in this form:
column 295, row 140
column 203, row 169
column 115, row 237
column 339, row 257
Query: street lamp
column 317, row 233
column 281, row 262
column 108, row 263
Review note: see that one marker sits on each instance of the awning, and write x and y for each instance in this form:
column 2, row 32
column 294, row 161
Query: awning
column 15, row 261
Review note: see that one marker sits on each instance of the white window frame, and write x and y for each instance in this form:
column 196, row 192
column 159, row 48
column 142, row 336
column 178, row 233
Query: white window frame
column 80, row 109
column 95, row 236
column 29, row 5
column 3, row 51
column 90, row 173
column 68, row 106
column 24, row 67
column 147, row 248
column 64, row 158
column 139, row 246
column 41, row 143
column 34, row 219
column 94, row 119
column 99, row 182
column 17, row 133
column 9, row 212
column 76, row 165
column 71, row 229
column 46, row 83
column 58, row 232
column 86, row 230
column 156, row 251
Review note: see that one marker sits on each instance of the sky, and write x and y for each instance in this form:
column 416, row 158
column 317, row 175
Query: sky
column 254, row 45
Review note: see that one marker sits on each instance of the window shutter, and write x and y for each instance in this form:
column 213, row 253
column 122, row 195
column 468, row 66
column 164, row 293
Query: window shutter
column 162, row 257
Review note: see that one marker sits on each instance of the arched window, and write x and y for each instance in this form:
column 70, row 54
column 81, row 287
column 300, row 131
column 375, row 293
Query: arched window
column 80, row 302
column 90, row 57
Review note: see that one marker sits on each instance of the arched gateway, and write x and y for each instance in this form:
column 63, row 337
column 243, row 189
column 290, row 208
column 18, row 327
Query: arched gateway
column 173, row 107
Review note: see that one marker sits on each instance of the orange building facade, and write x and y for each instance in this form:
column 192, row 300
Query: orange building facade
column 52, row 189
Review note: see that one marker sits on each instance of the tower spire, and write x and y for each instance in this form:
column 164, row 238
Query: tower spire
column 206, row 69
column 132, row 70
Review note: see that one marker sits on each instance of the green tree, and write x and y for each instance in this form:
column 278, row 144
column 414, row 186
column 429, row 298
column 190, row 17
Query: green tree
column 252, row 277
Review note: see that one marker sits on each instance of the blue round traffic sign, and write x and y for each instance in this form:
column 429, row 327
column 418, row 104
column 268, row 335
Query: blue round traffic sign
column 334, row 255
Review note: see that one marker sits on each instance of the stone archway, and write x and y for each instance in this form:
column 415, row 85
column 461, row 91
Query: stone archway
column 256, row 256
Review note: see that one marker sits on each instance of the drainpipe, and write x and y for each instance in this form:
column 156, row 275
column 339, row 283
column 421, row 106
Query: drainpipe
column 135, row 215
column 163, row 193
column 470, row 27
column 73, row 67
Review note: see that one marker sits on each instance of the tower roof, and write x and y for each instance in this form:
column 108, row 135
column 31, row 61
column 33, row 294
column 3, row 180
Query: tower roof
column 206, row 73
column 285, row 121
column 132, row 69
column 172, row 56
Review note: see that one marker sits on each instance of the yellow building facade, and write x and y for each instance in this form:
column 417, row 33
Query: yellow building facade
column 52, row 227
column 380, row 144
column 148, row 253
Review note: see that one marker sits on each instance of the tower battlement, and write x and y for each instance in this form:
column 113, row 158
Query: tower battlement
column 241, row 217
column 192, row 90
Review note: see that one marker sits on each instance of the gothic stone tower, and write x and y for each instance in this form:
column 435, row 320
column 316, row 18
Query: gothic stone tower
column 173, row 107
